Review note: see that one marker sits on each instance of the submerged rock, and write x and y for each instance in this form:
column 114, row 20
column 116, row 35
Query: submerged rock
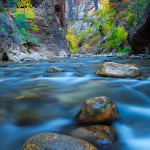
column 3, row 115
column 51, row 141
column 98, row 110
column 98, row 135
column 35, row 91
column 29, row 117
column 55, row 69
column 112, row 69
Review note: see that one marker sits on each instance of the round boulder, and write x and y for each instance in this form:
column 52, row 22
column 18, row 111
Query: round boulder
column 98, row 135
column 51, row 141
column 112, row 69
column 97, row 110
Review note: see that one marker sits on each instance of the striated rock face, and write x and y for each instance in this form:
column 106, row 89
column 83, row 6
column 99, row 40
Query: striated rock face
column 55, row 18
column 50, row 20
column 51, row 141
column 98, row 110
column 112, row 69
column 139, row 39
column 98, row 135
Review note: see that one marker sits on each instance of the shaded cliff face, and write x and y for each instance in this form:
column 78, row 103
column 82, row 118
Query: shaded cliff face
column 50, row 20
column 139, row 39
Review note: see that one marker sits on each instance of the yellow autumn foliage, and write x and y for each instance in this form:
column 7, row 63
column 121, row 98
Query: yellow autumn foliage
column 72, row 41
column 105, row 5
column 24, row 4
column 27, row 8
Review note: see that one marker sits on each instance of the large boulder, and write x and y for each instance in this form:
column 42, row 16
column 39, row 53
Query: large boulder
column 98, row 135
column 112, row 69
column 139, row 38
column 97, row 110
column 51, row 141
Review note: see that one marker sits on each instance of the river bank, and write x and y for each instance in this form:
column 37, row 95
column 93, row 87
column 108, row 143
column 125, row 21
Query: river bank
column 30, row 57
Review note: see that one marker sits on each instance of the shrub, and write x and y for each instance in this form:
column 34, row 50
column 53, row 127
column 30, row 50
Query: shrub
column 34, row 27
column 72, row 41
column 116, row 39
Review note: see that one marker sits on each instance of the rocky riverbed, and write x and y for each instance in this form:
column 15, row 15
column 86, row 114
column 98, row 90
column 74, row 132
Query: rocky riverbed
column 45, row 96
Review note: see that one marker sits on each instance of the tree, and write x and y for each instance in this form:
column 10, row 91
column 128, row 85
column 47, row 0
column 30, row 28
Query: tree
column 24, row 3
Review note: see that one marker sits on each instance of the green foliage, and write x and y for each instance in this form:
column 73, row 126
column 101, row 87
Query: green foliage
column 2, row 9
column 132, row 12
column 27, row 12
column 6, row 29
column 85, row 19
column 106, row 17
column 26, row 37
column 24, row 33
column 34, row 40
column 83, row 34
column 138, row 8
column 19, row 34
column 126, row 49
column 48, row 30
column 96, row 27
column 34, row 27
column 20, row 20
column 107, row 23
column 116, row 39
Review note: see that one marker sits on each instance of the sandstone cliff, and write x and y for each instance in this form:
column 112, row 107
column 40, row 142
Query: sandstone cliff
column 50, row 20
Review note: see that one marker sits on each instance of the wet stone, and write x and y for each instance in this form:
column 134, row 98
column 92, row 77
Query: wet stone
column 98, row 135
column 51, row 141
column 112, row 69
column 55, row 69
column 97, row 110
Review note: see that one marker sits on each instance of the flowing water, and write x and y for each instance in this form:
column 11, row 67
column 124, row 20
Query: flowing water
column 33, row 100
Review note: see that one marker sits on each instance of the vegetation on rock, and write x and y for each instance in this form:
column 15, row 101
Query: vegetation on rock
column 18, row 32
column 112, row 22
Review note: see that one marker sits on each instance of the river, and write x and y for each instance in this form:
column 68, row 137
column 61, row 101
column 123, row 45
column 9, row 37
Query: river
column 32, row 100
